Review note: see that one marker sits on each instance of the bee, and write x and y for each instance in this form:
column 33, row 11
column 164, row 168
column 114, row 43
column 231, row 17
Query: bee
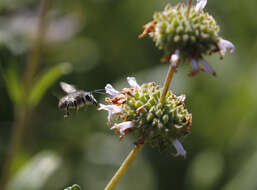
column 75, row 98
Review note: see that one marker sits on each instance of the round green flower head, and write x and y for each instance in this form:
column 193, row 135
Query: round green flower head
column 196, row 33
column 189, row 31
column 138, row 110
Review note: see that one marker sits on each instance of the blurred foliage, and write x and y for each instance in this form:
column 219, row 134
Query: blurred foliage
column 73, row 187
column 99, row 40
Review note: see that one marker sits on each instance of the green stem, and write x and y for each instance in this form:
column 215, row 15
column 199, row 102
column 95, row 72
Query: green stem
column 33, row 59
column 123, row 168
column 167, row 82
column 189, row 3
column 18, row 128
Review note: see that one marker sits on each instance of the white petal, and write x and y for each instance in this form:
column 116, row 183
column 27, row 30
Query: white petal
column 132, row 82
column 174, row 58
column 179, row 148
column 200, row 5
column 182, row 97
column 112, row 91
column 207, row 68
column 225, row 44
column 123, row 126
column 194, row 65
column 112, row 109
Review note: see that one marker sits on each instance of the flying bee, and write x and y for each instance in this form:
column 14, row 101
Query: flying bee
column 76, row 99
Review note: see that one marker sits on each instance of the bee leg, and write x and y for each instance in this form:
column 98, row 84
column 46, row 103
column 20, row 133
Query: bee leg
column 76, row 105
column 66, row 114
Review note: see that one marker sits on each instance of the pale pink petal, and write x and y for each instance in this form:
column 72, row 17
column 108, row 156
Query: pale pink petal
column 207, row 68
column 112, row 91
column 122, row 127
column 194, row 65
column 182, row 97
column 133, row 83
column 224, row 45
column 112, row 109
column 174, row 59
column 200, row 5
column 180, row 150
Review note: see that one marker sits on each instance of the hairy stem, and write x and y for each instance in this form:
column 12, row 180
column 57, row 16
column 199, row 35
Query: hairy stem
column 123, row 168
column 33, row 60
column 167, row 82
column 189, row 3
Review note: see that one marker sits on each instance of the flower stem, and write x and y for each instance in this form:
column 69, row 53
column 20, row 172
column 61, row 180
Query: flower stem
column 33, row 59
column 167, row 82
column 189, row 3
column 123, row 168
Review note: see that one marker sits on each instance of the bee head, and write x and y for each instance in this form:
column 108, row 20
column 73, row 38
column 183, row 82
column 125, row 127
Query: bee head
column 90, row 98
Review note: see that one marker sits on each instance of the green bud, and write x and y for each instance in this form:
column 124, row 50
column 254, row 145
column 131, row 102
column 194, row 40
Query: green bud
column 149, row 117
column 159, row 113
column 165, row 118
column 138, row 103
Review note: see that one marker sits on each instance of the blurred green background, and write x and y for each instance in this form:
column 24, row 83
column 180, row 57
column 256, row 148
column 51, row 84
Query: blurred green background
column 94, row 42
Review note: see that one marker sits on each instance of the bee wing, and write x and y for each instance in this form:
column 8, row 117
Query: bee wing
column 67, row 87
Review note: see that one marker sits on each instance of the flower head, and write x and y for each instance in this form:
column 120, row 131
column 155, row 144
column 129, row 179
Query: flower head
column 191, row 32
column 142, row 114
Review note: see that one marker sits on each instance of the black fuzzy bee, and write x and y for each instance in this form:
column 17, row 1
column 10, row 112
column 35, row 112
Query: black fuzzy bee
column 76, row 99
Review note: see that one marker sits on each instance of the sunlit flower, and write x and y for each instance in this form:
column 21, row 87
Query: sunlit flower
column 140, row 113
column 179, row 148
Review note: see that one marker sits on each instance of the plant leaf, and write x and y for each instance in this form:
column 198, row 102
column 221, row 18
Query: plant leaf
column 14, row 84
column 45, row 81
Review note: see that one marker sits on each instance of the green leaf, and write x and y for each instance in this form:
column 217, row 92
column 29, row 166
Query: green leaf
column 45, row 81
column 14, row 84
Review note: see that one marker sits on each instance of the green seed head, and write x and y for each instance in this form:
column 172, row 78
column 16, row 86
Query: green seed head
column 188, row 33
column 192, row 33
column 139, row 111
column 158, row 124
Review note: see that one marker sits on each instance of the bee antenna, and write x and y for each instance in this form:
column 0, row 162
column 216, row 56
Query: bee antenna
column 99, row 91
